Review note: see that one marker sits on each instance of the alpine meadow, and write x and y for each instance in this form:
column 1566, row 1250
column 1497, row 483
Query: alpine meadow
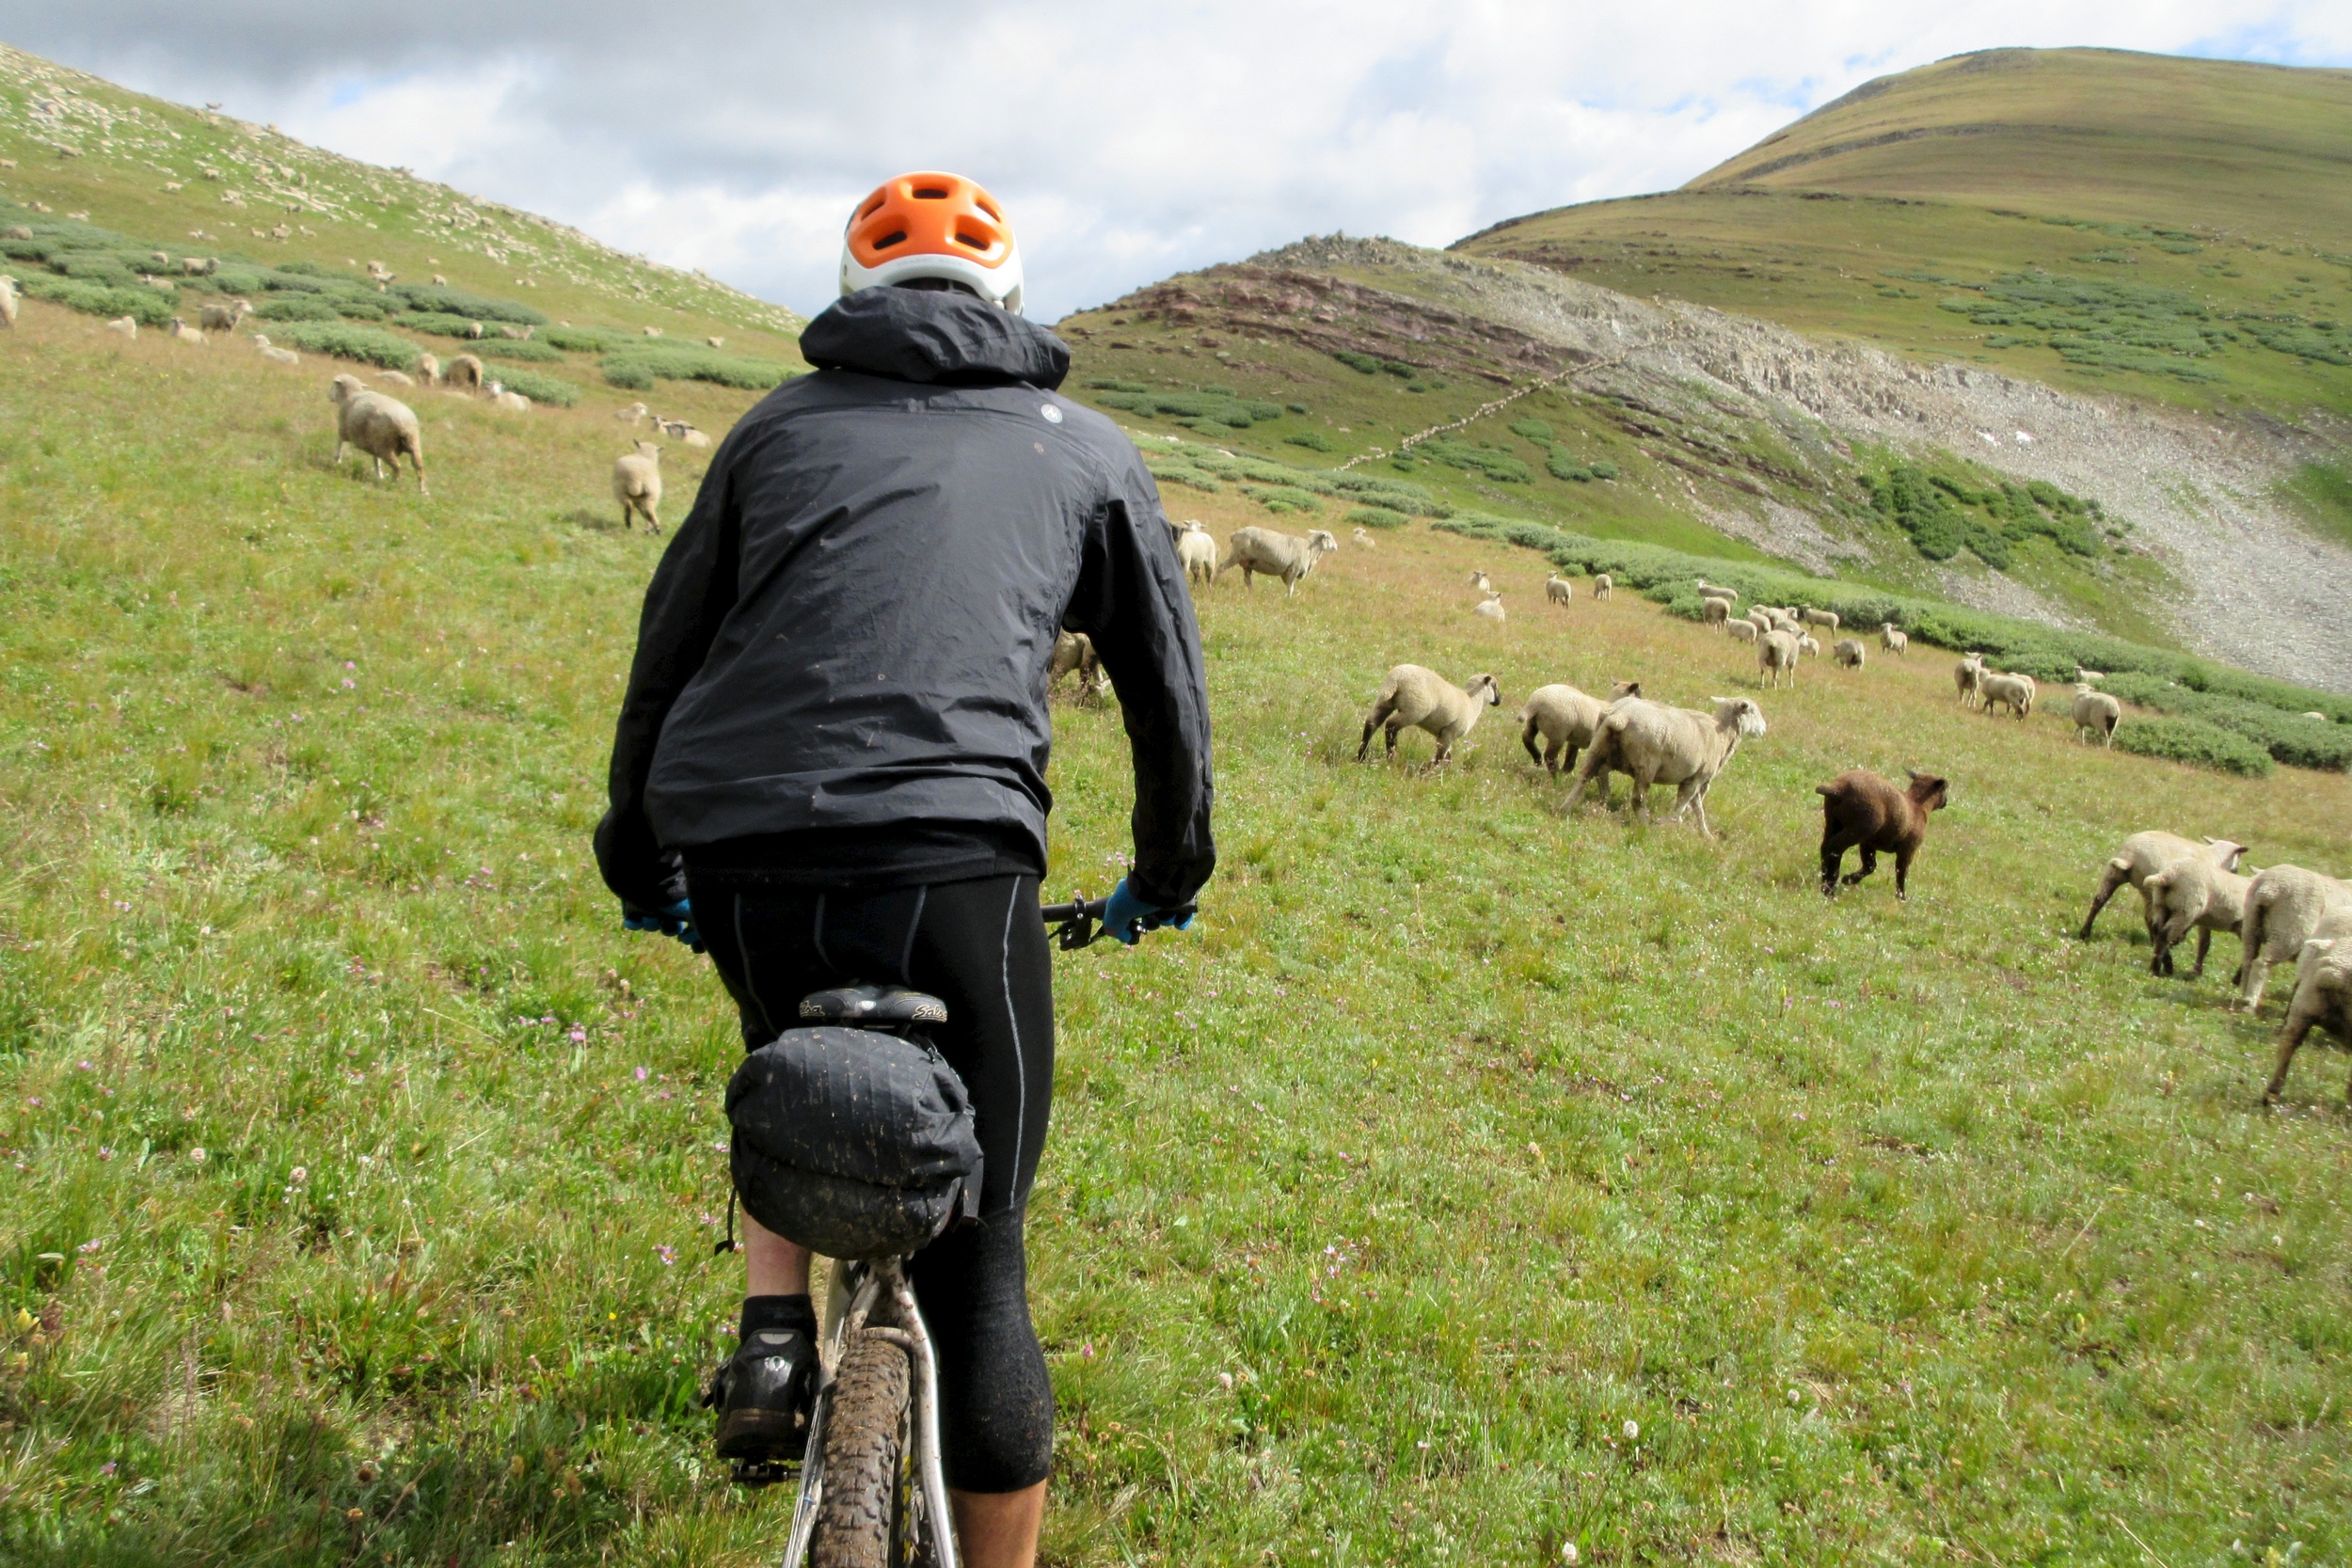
column 1473, row 1183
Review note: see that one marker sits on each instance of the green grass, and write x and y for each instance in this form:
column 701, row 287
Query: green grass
column 1456, row 1137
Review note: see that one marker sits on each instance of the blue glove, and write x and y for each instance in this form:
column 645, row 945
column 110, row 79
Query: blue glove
column 1126, row 917
column 677, row 921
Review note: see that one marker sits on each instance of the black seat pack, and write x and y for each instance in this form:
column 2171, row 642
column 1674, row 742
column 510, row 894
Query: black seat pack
column 856, row 1143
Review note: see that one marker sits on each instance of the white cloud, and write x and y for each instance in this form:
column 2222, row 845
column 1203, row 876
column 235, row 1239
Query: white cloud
column 1128, row 141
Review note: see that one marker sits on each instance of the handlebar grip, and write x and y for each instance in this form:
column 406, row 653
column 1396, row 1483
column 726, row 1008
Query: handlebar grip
column 1077, row 923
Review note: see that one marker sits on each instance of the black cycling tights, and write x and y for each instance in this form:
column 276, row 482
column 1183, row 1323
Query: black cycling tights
column 980, row 947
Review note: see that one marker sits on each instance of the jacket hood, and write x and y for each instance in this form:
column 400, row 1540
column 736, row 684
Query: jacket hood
column 940, row 338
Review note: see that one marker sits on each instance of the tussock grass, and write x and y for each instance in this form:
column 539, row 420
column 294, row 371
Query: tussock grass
column 1457, row 1138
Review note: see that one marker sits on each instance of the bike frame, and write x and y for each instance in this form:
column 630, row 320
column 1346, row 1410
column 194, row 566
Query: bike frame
column 877, row 1295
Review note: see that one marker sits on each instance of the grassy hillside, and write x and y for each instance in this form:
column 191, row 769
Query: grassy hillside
column 2177, row 230
column 1471, row 1181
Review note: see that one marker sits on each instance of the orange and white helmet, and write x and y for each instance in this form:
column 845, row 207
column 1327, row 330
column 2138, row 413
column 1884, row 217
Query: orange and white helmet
column 932, row 225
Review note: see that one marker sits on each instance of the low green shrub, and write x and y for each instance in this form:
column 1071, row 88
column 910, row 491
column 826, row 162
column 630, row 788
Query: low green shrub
column 147, row 305
column 587, row 339
column 1397, row 368
column 370, row 345
column 537, row 386
column 1500, row 466
column 309, row 269
column 1367, row 363
column 1283, row 498
column 1313, row 440
column 1533, row 430
column 639, row 366
column 1395, row 494
column 2194, row 741
column 85, row 266
column 1298, row 408
column 440, row 323
column 297, row 307
column 444, row 300
column 511, row 348
column 1559, row 465
column 1376, row 517
column 2288, row 737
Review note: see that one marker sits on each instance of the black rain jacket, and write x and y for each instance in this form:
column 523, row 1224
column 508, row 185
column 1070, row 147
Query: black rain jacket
column 853, row 627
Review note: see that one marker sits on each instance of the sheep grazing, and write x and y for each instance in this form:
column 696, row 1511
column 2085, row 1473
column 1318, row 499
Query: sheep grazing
column 634, row 414
column 653, row 332
column 181, row 330
column 1655, row 744
column 1478, row 581
column 429, row 369
column 1848, row 654
column 222, row 317
column 517, row 334
column 1074, row 650
column 1565, row 719
column 2015, row 691
column 1968, row 679
column 2284, row 906
column 1861, row 809
column 276, row 355
column 637, row 486
column 505, row 400
column 9, row 300
column 2096, row 714
column 1893, row 639
column 1602, row 585
column 1741, row 629
column 2313, row 714
column 1364, row 538
column 464, row 370
column 2323, row 997
column 395, row 377
column 1708, row 591
column 1278, row 555
column 2085, row 674
column 1715, row 612
column 1491, row 607
column 2191, row 893
column 199, row 266
column 1807, row 646
column 715, row 343
column 474, row 332
column 384, row 428
column 1825, row 619
column 1558, row 590
column 2145, row 854
column 1775, row 652
column 1427, row 700
column 1196, row 551
column 678, row 430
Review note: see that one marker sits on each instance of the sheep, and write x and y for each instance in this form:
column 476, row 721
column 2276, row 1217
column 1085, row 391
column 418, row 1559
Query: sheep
column 1807, row 646
column 1825, row 619
column 199, row 266
column 474, row 332
column 1741, row 630
column 1776, row 651
column 8, row 298
column 2081, row 674
column 1478, row 581
column 275, row 355
column 505, row 400
column 1565, row 717
column 517, row 334
column 1364, row 538
column 634, row 414
column 1278, row 555
column 1074, row 650
column 222, row 317
column 2284, row 906
column 1709, row 591
column 1715, row 612
column 181, row 330
column 2017, row 691
column 1860, row 810
column 2313, row 714
column 1491, row 607
column 678, row 430
column 440, row 281
column 1893, row 639
column 429, row 367
column 637, row 486
column 1782, row 621
column 2191, row 893
column 2145, row 854
column 1426, row 700
column 464, row 370
column 127, row 325
column 1197, row 549
column 395, row 377
column 1603, row 585
column 2097, row 713
column 382, row 427
column 1655, row 744
column 1761, row 618
column 1558, row 590
column 2323, row 996
column 1968, row 679
column 1849, row 653
column 653, row 332
column 716, row 343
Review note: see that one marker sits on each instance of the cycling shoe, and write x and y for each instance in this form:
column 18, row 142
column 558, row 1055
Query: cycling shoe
column 763, row 1394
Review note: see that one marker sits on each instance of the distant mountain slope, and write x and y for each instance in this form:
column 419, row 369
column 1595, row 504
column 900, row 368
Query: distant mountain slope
column 2179, row 229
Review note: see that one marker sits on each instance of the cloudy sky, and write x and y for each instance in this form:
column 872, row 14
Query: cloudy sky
column 1128, row 141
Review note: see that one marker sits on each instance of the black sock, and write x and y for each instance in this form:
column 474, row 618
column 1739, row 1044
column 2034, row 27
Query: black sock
column 785, row 1312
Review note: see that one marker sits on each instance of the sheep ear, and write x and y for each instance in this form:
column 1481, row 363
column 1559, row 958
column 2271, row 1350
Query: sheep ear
column 1912, row 773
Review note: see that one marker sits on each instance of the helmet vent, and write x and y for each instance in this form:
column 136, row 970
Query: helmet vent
column 974, row 240
column 930, row 193
column 889, row 240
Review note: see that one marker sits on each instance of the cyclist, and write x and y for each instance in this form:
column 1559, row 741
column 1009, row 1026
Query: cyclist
column 830, row 764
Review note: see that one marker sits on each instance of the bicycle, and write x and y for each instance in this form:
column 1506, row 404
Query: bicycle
column 872, row 1494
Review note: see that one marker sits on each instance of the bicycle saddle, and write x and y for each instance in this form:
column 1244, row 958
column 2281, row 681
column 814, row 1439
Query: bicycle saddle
column 872, row 1008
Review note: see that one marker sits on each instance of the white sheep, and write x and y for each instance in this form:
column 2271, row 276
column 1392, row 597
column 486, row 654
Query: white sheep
column 1655, row 744
column 1559, row 590
column 1603, row 585
column 1807, row 646
column 222, row 317
column 653, row 332
column 1491, row 607
column 2144, row 855
column 474, row 332
column 1074, row 650
column 505, row 400
column 1968, row 679
column 397, row 378
column 1197, row 549
column 1741, row 629
column 274, row 353
column 1478, row 581
column 1893, row 639
column 716, row 343
column 2323, row 995
column 1825, row 619
column 9, row 300
column 637, row 486
column 634, row 414
column 1427, row 700
column 1775, row 652
column 181, row 330
column 678, row 430
column 1715, row 612
column 2191, row 893
column 2096, row 714
column 429, row 369
column 383, row 427
column 1565, row 719
column 2313, row 714
column 2016, row 692
column 1709, row 591
column 2082, row 674
column 1278, row 555
column 1363, row 537
column 464, row 370
column 2285, row 907
column 1782, row 621
column 1849, row 653
column 1761, row 618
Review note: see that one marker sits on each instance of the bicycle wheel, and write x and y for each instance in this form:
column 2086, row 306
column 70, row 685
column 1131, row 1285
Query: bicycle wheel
column 865, row 1450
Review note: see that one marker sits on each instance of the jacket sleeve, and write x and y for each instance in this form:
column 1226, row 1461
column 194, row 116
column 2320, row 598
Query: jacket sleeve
column 692, row 592
column 1132, row 600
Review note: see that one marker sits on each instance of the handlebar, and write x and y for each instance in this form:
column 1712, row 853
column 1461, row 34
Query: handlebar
column 1079, row 922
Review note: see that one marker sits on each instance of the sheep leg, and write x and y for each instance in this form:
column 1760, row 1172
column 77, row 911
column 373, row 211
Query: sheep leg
column 1641, row 795
column 1379, row 716
column 2257, row 972
column 380, row 468
column 628, row 516
column 336, row 461
column 1527, row 739
column 1902, row 875
column 2117, row 874
column 1868, row 866
column 2290, row 1040
column 1833, row 861
column 2205, row 945
column 1566, row 754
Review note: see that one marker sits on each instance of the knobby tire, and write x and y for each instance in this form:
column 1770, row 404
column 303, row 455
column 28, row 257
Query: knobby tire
column 865, row 1454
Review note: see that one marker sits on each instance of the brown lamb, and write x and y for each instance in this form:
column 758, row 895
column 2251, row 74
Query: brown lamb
column 1862, row 810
